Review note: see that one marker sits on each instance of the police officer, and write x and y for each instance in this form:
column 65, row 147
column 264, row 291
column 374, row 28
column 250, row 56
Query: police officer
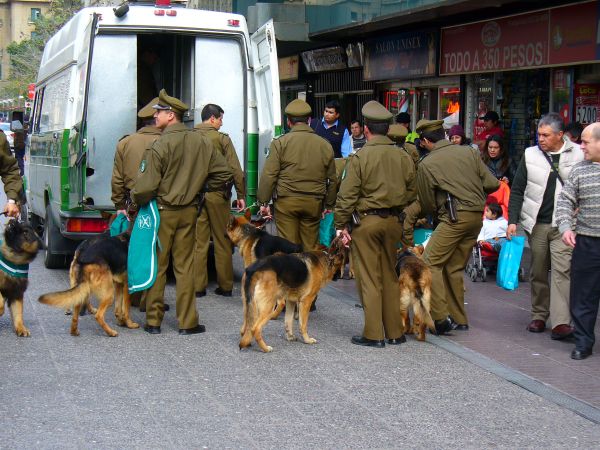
column 174, row 170
column 301, row 172
column 453, row 183
column 128, row 155
column 11, row 178
column 375, row 184
column 215, row 212
column 398, row 133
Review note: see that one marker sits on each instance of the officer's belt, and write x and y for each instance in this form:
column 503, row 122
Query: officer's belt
column 381, row 212
column 165, row 207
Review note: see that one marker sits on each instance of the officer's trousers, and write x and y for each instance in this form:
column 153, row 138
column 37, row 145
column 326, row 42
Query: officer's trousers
column 374, row 257
column 446, row 254
column 176, row 236
column 213, row 222
column 297, row 220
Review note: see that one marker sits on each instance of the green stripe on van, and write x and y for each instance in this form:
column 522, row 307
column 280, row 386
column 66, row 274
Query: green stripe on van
column 65, row 188
column 252, row 169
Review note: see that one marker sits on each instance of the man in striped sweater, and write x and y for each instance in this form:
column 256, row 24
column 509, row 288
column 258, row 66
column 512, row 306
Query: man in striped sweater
column 578, row 220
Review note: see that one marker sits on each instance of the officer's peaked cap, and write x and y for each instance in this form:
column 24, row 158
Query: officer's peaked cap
column 165, row 101
column 147, row 112
column 376, row 112
column 298, row 108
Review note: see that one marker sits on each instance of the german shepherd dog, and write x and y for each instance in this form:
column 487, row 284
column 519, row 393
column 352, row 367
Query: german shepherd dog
column 255, row 243
column 414, row 278
column 99, row 267
column 281, row 280
column 20, row 246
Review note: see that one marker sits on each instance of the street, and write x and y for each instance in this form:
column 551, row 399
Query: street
column 168, row 391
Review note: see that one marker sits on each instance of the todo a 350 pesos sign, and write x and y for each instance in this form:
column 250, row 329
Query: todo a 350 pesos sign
column 508, row 43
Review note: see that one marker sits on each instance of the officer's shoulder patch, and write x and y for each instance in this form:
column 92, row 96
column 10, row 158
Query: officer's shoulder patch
column 143, row 166
column 224, row 134
column 123, row 137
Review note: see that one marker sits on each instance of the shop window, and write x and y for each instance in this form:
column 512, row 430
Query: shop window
column 449, row 105
column 36, row 13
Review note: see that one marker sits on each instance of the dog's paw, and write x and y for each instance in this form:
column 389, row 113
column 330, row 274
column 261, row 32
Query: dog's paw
column 22, row 332
column 68, row 312
column 132, row 325
column 1, row 310
column 267, row 349
column 351, row 275
column 291, row 337
column 310, row 340
column 112, row 333
column 74, row 332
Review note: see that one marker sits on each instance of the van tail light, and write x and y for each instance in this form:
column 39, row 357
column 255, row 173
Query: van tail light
column 86, row 225
column 233, row 22
column 163, row 3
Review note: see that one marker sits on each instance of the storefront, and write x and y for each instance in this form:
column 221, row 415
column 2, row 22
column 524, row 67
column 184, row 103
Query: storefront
column 553, row 66
column 404, row 67
column 336, row 73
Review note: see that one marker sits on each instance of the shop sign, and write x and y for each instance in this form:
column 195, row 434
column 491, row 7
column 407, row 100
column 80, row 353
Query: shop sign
column 494, row 45
column 288, row 68
column 331, row 58
column 401, row 56
column 573, row 33
column 587, row 103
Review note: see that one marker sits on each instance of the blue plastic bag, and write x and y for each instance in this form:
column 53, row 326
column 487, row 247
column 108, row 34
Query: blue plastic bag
column 326, row 230
column 509, row 262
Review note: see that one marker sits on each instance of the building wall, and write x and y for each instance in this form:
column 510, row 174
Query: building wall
column 16, row 25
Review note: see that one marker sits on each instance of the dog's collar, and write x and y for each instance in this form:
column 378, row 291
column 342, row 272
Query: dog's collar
column 12, row 269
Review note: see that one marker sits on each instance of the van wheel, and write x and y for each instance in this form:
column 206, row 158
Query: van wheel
column 52, row 260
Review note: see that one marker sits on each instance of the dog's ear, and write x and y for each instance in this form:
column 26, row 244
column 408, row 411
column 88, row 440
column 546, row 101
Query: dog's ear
column 11, row 231
column 231, row 221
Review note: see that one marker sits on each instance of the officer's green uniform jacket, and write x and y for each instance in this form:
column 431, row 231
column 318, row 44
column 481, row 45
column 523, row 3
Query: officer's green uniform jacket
column 299, row 164
column 177, row 166
column 9, row 170
column 222, row 142
column 459, row 170
column 411, row 149
column 129, row 154
column 380, row 175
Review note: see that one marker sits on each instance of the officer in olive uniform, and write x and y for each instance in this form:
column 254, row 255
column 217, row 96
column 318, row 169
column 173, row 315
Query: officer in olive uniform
column 376, row 184
column 398, row 133
column 215, row 212
column 11, row 178
column 128, row 155
column 174, row 170
column 300, row 170
column 450, row 175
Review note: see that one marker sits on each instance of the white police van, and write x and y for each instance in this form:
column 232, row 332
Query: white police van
column 98, row 70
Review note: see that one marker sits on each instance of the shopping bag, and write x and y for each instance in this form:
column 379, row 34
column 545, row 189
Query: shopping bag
column 509, row 262
column 326, row 230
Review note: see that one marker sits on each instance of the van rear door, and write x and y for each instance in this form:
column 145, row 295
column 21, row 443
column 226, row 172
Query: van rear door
column 266, row 82
column 77, row 137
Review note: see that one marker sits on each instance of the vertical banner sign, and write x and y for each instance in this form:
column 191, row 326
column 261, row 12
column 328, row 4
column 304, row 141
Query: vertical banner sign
column 574, row 34
column 587, row 103
column 401, row 56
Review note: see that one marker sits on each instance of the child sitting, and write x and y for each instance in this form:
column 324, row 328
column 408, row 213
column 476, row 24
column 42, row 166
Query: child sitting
column 494, row 227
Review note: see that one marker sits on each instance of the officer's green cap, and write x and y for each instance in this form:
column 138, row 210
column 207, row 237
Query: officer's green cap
column 397, row 132
column 165, row 101
column 147, row 112
column 376, row 112
column 298, row 108
column 428, row 125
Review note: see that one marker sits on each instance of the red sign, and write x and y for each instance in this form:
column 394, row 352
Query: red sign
column 573, row 32
column 31, row 91
column 496, row 45
column 587, row 103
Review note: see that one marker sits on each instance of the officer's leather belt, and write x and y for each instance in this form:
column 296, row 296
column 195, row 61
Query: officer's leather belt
column 381, row 212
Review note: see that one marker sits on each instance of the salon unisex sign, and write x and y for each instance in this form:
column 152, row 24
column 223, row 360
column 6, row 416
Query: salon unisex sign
column 557, row 36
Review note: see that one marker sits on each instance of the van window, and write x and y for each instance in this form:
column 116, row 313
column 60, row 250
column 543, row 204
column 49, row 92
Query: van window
column 221, row 79
column 54, row 107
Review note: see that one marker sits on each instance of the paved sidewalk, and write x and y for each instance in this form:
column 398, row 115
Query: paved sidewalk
column 171, row 391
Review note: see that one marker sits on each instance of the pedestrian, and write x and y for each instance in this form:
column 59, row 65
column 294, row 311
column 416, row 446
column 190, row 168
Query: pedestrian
column 497, row 160
column 573, row 131
column 494, row 227
column 11, row 178
column 375, row 185
column 357, row 136
column 330, row 128
column 128, row 156
column 300, row 173
column 411, row 141
column 535, row 188
column 491, row 127
column 215, row 211
column 578, row 220
column 398, row 133
column 174, row 171
column 19, row 144
column 453, row 183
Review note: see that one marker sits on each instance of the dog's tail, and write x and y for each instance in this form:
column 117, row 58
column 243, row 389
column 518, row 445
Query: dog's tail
column 424, row 297
column 77, row 295
column 249, row 272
